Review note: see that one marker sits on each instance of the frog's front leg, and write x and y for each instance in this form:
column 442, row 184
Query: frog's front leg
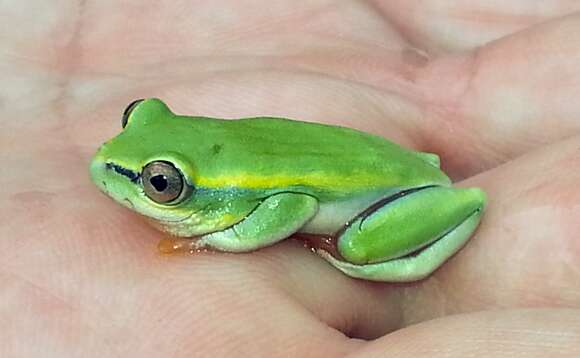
column 407, row 236
column 275, row 218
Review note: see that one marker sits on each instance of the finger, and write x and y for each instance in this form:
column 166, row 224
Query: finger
column 505, row 98
column 526, row 251
column 443, row 26
column 519, row 333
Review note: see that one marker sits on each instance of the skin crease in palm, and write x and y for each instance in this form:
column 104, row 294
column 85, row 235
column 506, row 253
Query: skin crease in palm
column 492, row 87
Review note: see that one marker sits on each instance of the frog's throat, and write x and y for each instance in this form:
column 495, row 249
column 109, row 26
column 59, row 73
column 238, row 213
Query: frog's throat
column 167, row 225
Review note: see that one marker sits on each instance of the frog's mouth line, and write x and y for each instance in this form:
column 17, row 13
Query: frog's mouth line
column 185, row 218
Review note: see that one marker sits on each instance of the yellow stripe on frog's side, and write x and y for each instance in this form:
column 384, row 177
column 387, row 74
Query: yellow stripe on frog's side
column 249, row 181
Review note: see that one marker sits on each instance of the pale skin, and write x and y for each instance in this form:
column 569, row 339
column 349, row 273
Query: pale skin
column 81, row 275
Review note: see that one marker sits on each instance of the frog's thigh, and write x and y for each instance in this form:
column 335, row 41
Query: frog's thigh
column 276, row 218
column 436, row 221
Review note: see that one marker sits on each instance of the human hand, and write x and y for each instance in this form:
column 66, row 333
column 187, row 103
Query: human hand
column 494, row 92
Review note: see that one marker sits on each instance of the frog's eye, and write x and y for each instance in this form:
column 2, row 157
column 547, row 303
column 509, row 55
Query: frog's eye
column 163, row 183
column 128, row 110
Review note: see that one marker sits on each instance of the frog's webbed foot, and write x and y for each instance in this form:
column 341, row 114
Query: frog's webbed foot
column 409, row 235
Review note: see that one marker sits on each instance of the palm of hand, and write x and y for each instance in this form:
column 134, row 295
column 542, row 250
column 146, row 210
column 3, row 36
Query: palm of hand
column 81, row 275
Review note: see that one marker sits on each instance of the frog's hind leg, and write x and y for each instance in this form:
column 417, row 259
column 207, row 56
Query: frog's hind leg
column 407, row 236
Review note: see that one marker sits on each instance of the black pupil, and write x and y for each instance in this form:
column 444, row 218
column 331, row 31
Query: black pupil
column 159, row 182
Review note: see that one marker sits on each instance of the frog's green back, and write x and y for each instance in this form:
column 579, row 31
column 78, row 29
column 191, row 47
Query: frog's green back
column 266, row 153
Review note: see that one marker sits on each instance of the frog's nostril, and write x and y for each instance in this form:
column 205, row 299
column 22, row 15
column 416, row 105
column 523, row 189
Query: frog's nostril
column 130, row 203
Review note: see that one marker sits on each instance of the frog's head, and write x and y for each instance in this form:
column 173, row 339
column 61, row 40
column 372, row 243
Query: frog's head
column 147, row 168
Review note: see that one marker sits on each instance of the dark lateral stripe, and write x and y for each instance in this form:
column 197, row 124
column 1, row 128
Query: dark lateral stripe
column 374, row 207
column 133, row 176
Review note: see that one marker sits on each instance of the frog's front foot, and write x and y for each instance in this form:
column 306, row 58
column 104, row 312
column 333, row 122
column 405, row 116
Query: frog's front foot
column 407, row 236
